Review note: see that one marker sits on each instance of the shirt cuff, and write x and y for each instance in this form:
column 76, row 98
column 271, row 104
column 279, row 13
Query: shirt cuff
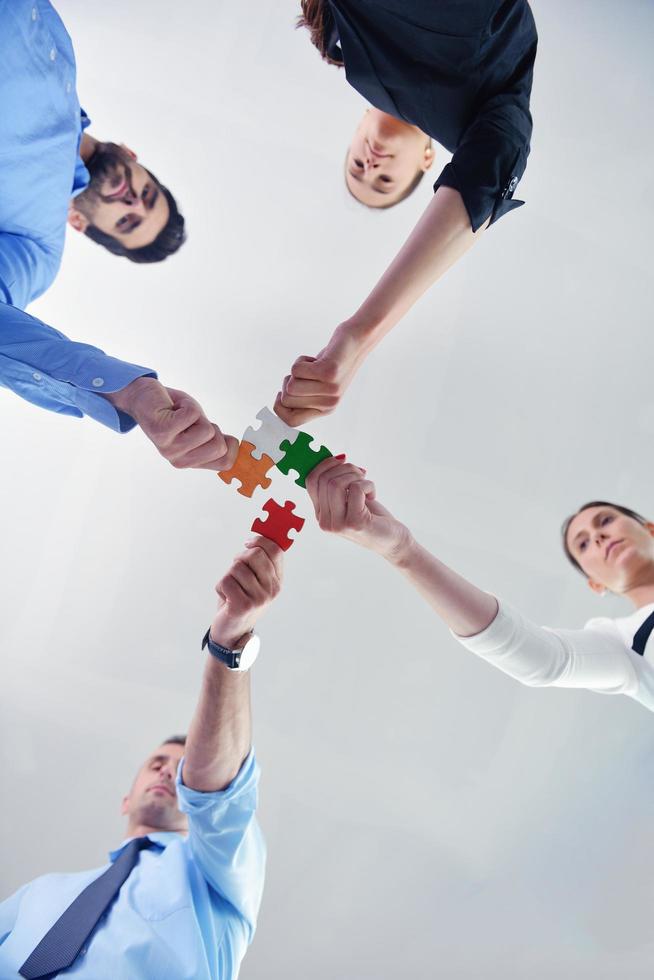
column 93, row 374
column 98, row 375
column 195, row 801
column 497, row 634
column 481, row 201
column 101, row 409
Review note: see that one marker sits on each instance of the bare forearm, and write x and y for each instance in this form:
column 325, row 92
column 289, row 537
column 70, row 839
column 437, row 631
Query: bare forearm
column 462, row 606
column 440, row 238
column 220, row 733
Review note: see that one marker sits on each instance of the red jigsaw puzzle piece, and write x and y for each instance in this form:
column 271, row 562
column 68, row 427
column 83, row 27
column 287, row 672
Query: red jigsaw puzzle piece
column 250, row 471
column 278, row 523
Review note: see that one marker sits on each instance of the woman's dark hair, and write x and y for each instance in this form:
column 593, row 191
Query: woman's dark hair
column 593, row 503
column 169, row 239
column 317, row 17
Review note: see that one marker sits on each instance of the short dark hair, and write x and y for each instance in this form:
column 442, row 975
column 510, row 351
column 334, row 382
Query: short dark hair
column 175, row 740
column 593, row 503
column 171, row 237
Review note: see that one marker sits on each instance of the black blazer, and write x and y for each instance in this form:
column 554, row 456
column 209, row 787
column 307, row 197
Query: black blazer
column 460, row 70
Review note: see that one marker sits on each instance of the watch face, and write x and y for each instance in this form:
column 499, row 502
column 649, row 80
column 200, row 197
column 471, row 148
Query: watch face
column 250, row 653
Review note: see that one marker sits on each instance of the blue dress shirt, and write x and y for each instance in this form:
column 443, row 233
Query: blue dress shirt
column 41, row 126
column 187, row 911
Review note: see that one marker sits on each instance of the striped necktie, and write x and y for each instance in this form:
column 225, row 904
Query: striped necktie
column 60, row 946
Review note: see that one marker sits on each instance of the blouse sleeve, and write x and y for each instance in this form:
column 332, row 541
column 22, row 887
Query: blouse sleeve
column 595, row 658
column 490, row 159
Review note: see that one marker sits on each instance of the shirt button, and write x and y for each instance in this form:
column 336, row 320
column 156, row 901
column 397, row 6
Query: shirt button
column 69, row 86
column 53, row 54
column 37, row 376
column 34, row 13
column 97, row 382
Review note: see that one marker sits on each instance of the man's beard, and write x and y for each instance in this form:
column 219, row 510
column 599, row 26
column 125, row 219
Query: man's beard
column 163, row 817
column 108, row 163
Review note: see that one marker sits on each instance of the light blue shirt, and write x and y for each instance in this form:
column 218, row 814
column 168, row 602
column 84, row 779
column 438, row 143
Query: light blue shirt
column 187, row 911
column 41, row 126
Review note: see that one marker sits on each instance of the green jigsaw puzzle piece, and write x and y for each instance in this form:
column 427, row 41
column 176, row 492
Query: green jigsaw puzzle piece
column 299, row 456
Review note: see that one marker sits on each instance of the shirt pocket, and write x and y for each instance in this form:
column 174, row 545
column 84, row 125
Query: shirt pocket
column 159, row 888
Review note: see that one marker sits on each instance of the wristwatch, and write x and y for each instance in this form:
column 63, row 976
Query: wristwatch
column 241, row 659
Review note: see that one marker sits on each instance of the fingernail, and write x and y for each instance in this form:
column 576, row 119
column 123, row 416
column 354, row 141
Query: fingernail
column 340, row 456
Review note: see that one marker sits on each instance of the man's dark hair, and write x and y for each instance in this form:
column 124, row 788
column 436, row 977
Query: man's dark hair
column 169, row 239
column 593, row 503
column 175, row 740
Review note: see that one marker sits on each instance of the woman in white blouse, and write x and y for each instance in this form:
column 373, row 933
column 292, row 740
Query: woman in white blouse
column 610, row 544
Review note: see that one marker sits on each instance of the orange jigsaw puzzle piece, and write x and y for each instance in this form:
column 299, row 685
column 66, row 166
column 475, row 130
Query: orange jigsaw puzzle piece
column 250, row 471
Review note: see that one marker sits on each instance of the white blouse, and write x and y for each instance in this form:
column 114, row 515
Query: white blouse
column 598, row 657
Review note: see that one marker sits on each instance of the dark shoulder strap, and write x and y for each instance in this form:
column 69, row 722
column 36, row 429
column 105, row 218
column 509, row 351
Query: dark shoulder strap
column 642, row 635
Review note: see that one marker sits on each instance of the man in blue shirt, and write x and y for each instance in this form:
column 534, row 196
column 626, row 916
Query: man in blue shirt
column 180, row 898
column 52, row 171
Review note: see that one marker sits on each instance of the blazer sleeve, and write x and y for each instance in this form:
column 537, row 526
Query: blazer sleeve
column 595, row 658
column 490, row 159
column 491, row 155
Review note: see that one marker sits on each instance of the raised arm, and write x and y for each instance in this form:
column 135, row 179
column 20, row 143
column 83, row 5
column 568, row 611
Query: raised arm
column 41, row 365
column 474, row 190
column 220, row 733
column 217, row 782
column 316, row 384
column 345, row 503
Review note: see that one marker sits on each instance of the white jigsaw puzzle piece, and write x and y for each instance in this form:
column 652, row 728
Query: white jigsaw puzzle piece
column 269, row 436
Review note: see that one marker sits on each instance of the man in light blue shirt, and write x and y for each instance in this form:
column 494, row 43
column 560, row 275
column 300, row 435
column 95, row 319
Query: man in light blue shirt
column 188, row 902
column 52, row 171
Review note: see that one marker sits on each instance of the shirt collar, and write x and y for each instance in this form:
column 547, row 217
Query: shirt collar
column 162, row 838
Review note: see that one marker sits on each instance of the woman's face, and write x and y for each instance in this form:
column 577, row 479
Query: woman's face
column 616, row 552
column 384, row 157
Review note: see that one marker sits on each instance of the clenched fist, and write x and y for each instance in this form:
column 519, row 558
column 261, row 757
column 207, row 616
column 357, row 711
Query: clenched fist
column 244, row 592
column 177, row 425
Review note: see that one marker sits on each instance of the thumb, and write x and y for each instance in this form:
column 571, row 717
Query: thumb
column 182, row 411
column 293, row 416
column 179, row 398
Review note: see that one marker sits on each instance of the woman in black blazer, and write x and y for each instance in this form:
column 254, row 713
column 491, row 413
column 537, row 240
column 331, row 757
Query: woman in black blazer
column 457, row 71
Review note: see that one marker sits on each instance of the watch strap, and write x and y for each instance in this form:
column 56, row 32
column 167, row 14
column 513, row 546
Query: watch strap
column 232, row 658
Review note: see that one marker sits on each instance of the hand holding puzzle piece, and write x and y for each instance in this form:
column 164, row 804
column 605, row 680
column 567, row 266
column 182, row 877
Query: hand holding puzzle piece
column 274, row 443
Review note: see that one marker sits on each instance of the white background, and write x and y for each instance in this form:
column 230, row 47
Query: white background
column 425, row 815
